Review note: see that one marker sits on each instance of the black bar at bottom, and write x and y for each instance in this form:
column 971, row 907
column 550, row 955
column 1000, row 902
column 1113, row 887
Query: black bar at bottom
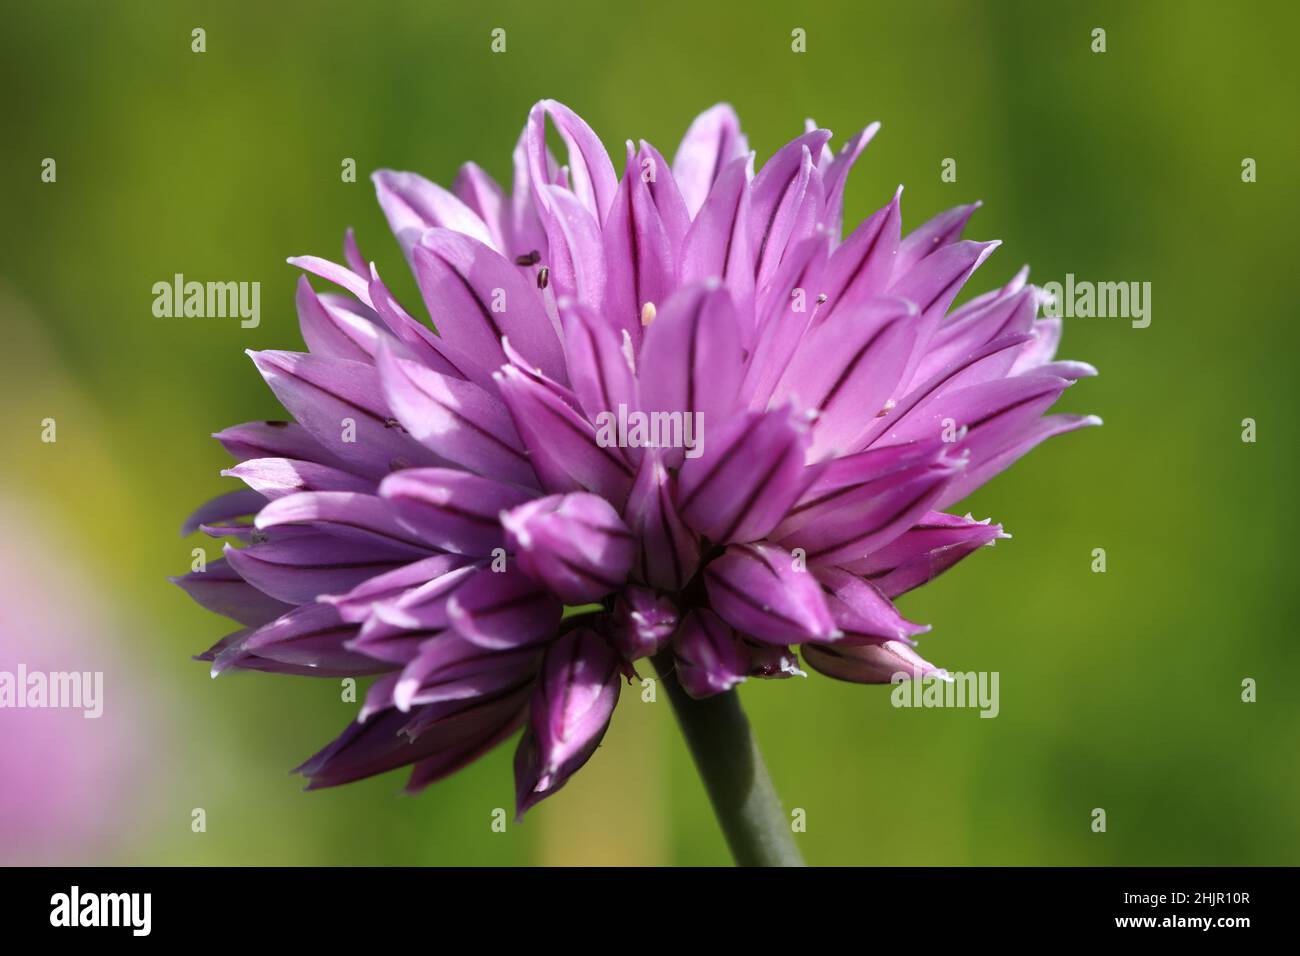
column 305, row 906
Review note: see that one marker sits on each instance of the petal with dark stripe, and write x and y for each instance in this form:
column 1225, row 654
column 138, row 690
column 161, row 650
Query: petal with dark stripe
column 590, row 171
column 869, row 663
column 717, row 245
column 709, row 657
column 598, row 367
column 414, row 205
column 924, row 551
column 787, row 201
column 836, row 173
column 844, row 523
column 751, row 474
column 641, row 245
column 860, row 267
column 575, row 544
column 451, row 509
column 768, row 594
column 278, row 477
column 668, row 552
column 504, row 609
column 300, row 568
column 458, row 420
column 344, row 514
column 220, row 589
column 845, row 371
column 330, row 329
column 691, row 364
column 862, row 612
column 340, row 403
column 713, row 140
column 569, row 713
column 475, row 297
column 562, row 445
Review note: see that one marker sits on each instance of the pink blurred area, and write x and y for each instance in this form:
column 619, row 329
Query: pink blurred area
column 68, row 784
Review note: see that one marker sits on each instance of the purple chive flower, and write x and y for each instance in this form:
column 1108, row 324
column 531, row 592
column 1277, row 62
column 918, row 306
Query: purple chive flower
column 798, row 411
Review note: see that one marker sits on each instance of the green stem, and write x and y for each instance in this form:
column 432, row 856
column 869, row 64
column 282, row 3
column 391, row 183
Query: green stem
column 726, row 755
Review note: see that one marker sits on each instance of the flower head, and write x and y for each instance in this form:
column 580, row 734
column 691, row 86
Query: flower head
column 670, row 413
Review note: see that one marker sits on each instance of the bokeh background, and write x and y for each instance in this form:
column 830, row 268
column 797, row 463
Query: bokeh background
column 1119, row 690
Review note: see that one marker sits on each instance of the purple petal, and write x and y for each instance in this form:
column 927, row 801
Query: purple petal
column 763, row 591
column 1041, row 349
column 869, row 663
column 924, row 551
column 691, row 363
column 575, row 544
column 851, row 517
column 717, row 245
column 936, row 279
column 451, row 735
column 396, row 630
column 862, row 612
column 710, row 657
column 485, row 198
column 475, row 296
column 785, row 310
column 597, row 365
column 561, row 443
column 273, row 439
column 846, row 370
column 569, row 713
column 751, row 474
column 451, row 668
column 452, row 510
column 220, row 589
column 326, row 394
column 713, row 141
column 333, row 331
column 577, row 259
column 279, row 477
column 836, row 174
column 233, row 504
column 414, row 205
column 860, row 268
column 987, row 363
column 994, row 460
column 787, row 201
column 301, row 568
column 344, row 514
column 989, row 408
column 357, row 604
column 458, row 420
column 504, row 609
column 668, row 551
column 313, row 637
column 590, row 171
column 641, row 623
column 640, row 247
column 941, row 231
column 438, row 354
column 963, row 336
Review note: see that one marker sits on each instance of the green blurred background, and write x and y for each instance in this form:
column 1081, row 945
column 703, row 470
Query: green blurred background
column 1119, row 690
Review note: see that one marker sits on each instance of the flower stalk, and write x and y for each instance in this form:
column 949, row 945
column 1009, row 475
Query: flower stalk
column 726, row 754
